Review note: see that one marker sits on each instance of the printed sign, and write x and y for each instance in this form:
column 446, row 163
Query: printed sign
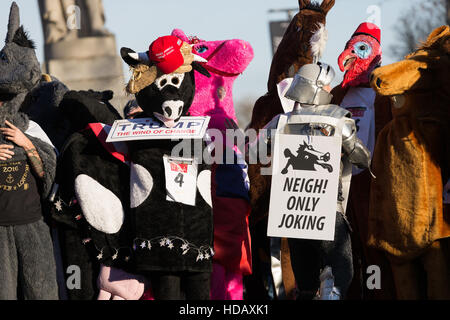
column 151, row 129
column 181, row 179
column 305, row 182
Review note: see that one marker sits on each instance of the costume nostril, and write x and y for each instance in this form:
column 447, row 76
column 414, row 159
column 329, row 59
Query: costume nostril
column 168, row 111
column 379, row 82
column 180, row 111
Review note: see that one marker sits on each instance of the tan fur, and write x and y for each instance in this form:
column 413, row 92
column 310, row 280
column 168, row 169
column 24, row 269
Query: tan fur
column 406, row 211
column 143, row 76
column 46, row 77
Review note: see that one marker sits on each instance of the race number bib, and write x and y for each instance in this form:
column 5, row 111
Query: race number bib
column 305, row 181
column 181, row 179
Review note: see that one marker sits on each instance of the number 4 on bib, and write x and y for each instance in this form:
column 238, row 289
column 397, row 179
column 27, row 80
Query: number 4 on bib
column 181, row 179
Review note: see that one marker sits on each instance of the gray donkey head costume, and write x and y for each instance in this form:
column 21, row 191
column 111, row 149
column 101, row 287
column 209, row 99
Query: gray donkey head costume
column 20, row 88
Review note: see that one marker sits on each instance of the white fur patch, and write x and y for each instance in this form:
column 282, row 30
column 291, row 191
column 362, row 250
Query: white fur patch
column 101, row 208
column 204, row 186
column 319, row 42
column 141, row 184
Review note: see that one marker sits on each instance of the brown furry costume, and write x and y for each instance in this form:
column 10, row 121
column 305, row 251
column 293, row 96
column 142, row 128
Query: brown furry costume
column 411, row 161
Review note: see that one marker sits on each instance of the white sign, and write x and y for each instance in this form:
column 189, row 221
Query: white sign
column 181, row 179
column 151, row 129
column 304, row 191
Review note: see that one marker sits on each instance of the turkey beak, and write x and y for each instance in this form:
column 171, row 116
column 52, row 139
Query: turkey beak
column 346, row 60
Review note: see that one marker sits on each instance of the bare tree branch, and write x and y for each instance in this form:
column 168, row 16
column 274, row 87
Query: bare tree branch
column 416, row 24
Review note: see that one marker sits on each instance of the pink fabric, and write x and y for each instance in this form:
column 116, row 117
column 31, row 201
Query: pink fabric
column 116, row 284
column 226, row 285
column 148, row 295
column 226, row 61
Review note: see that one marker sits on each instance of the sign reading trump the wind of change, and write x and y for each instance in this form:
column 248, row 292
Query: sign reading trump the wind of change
column 304, row 191
column 151, row 129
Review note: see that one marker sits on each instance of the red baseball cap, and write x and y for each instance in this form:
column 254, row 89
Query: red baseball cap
column 369, row 29
column 166, row 53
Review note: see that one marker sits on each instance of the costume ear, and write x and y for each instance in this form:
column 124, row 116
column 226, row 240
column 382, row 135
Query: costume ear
column 437, row 34
column 327, row 5
column 132, row 58
column 199, row 68
column 303, row 3
column 22, row 39
column 14, row 22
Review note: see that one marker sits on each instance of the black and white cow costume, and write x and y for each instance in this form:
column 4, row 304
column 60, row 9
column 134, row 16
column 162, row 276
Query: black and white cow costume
column 91, row 206
column 112, row 201
column 173, row 241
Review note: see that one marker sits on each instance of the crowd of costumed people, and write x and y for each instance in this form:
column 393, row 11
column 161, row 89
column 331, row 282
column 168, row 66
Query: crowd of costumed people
column 328, row 194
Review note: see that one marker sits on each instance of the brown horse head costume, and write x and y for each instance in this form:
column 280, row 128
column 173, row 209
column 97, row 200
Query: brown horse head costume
column 412, row 162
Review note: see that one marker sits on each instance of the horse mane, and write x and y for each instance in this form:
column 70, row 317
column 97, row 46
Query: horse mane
column 22, row 39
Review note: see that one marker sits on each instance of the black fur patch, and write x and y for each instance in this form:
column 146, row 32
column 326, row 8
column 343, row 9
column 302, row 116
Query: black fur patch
column 22, row 39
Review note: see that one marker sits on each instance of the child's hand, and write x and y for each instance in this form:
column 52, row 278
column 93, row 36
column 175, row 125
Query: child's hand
column 14, row 134
column 5, row 152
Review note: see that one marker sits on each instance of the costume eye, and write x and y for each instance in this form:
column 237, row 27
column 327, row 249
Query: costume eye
column 201, row 49
column 175, row 80
column 363, row 50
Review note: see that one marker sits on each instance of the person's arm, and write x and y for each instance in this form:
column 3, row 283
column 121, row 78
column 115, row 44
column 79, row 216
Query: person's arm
column 356, row 151
column 14, row 134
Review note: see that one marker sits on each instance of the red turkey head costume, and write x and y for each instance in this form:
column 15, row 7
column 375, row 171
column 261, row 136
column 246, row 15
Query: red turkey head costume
column 361, row 56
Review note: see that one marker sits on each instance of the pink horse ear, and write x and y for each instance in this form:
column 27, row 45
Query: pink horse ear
column 180, row 34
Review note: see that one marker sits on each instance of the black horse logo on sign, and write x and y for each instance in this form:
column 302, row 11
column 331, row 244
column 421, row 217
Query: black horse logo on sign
column 306, row 160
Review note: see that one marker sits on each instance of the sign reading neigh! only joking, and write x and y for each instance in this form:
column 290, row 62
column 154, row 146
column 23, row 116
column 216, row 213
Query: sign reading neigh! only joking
column 304, row 191
column 151, row 129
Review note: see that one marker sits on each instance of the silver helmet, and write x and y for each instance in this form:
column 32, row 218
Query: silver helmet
column 309, row 82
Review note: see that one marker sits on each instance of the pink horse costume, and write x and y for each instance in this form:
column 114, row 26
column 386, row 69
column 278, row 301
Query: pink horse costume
column 213, row 97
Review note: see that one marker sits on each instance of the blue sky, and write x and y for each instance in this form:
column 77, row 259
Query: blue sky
column 136, row 23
